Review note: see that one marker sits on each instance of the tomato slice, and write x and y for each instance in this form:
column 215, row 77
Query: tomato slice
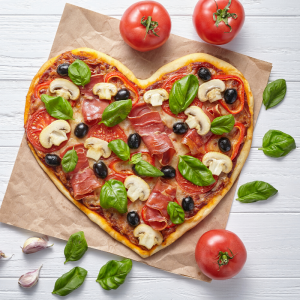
column 108, row 134
column 170, row 81
column 40, row 87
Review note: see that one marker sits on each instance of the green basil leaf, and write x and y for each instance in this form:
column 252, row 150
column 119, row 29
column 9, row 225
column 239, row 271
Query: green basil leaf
column 69, row 161
column 183, row 93
column 120, row 148
column 255, row 191
column 176, row 213
column 136, row 158
column 114, row 273
column 143, row 168
column 113, row 194
column 79, row 72
column 223, row 124
column 58, row 107
column 116, row 112
column 70, row 281
column 274, row 93
column 193, row 170
column 76, row 247
column 277, row 143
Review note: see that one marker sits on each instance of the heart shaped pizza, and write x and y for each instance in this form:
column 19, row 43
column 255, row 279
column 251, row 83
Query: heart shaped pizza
column 146, row 160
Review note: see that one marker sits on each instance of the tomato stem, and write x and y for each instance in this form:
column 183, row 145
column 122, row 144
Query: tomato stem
column 223, row 15
column 150, row 25
column 224, row 258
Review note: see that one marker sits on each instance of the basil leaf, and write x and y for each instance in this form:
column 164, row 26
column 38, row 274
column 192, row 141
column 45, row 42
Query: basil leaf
column 143, row 168
column 116, row 112
column 113, row 194
column 183, row 93
column 274, row 93
column 114, row 273
column 120, row 148
column 223, row 124
column 176, row 213
column 70, row 281
column 79, row 72
column 255, row 191
column 135, row 158
column 76, row 247
column 277, row 143
column 69, row 161
column 58, row 107
column 193, row 170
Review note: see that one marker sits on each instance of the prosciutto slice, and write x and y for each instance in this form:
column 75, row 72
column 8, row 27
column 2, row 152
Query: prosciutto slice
column 93, row 109
column 87, row 90
column 196, row 142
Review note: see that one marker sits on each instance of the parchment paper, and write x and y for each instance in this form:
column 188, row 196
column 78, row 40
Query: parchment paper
column 33, row 202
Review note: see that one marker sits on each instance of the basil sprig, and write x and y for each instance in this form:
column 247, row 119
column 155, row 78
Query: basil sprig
column 58, row 107
column 255, row 191
column 274, row 93
column 193, row 170
column 223, row 124
column 76, row 247
column 136, row 158
column 114, row 273
column 183, row 93
column 176, row 213
column 69, row 161
column 277, row 143
column 116, row 112
column 143, row 168
column 79, row 72
column 120, row 148
column 70, row 281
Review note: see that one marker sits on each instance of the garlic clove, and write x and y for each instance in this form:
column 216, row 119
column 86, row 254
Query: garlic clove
column 29, row 279
column 3, row 256
column 35, row 244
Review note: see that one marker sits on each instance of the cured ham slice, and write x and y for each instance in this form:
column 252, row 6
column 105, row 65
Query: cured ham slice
column 196, row 142
column 93, row 109
column 149, row 122
column 154, row 218
column 87, row 90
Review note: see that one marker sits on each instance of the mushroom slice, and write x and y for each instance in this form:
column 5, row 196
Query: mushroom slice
column 96, row 148
column 217, row 162
column 105, row 90
column 197, row 119
column 54, row 134
column 64, row 88
column 156, row 97
column 138, row 189
column 211, row 90
column 147, row 236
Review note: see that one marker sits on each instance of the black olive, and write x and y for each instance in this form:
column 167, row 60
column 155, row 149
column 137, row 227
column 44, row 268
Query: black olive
column 224, row 144
column 180, row 128
column 62, row 69
column 169, row 172
column 134, row 140
column 133, row 218
column 204, row 74
column 81, row 130
column 188, row 203
column 100, row 169
column 122, row 94
column 52, row 160
column 230, row 96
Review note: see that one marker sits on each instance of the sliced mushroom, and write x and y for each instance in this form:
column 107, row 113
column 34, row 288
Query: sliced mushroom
column 105, row 90
column 147, row 236
column 64, row 88
column 211, row 90
column 138, row 189
column 156, row 97
column 217, row 162
column 197, row 119
column 54, row 134
column 97, row 148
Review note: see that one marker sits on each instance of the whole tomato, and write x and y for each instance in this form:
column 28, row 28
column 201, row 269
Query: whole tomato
column 145, row 25
column 218, row 21
column 220, row 254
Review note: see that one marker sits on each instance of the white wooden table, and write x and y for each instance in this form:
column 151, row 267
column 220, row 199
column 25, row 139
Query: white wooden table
column 270, row 229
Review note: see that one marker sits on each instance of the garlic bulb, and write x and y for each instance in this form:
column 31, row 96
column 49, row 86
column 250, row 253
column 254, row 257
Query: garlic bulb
column 35, row 244
column 2, row 255
column 29, row 279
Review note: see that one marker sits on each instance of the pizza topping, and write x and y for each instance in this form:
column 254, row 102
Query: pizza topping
column 196, row 142
column 122, row 94
column 69, row 161
column 81, row 130
column 204, row 74
column 198, row 119
column 223, row 124
column 147, row 236
column 169, row 172
column 93, row 109
column 224, row 144
column 64, row 88
column 133, row 218
column 188, row 203
column 120, row 148
column 156, row 97
column 175, row 212
column 108, row 134
column 211, row 90
column 236, row 146
column 217, row 162
column 230, row 96
column 137, row 188
column 180, row 128
column 62, row 69
column 52, row 160
column 97, row 148
column 134, row 141
column 100, row 169
column 79, row 72
column 105, row 90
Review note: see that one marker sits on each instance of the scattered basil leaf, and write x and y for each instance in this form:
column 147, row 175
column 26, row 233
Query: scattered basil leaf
column 79, row 72
column 70, row 281
column 274, row 93
column 58, row 107
column 277, row 143
column 176, row 213
column 143, row 168
column 135, row 158
column 113, row 194
column 69, row 161
column 223, row 124
column 116, row 112
column 114, row 273
column 120, row 148
column 76, row 247
column 183, row 93
column 193, row 170
column 255, row 191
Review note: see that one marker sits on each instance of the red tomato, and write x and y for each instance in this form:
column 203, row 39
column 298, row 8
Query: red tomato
column 108, row 134
column 220, row 254
column 137, row 18
column 206, row 20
